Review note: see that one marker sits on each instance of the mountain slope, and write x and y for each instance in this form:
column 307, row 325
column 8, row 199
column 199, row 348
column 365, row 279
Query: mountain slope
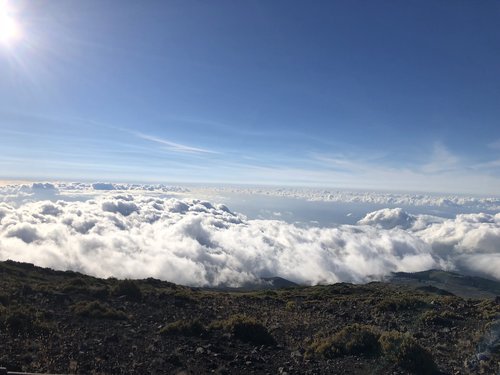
column 460, row 285
column 66, row 322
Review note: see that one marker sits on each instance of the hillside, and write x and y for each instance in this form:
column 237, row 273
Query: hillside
column 66, row 322
column 465, row 286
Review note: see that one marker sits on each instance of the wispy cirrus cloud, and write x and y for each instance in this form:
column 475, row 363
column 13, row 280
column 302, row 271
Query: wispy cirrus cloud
column 492, row 164
column 442, row 160
column 174, row 146
column 495, row 145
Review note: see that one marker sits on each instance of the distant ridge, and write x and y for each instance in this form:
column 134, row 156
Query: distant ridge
column 264, row 283
column 452, row 282
column 279, row 282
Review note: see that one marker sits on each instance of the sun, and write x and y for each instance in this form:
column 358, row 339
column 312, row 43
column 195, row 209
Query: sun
column 10, row 31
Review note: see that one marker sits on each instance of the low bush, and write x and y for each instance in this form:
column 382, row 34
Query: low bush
column 183, row 327
column 23, row 321
column 355, row 339
column 129, row 289
column 290, row 306
column 77, row 285
column 399, row 303
column 184, row 297
column 407, row 353
column 97, row 310
column 246, row 329
column 99, row 293
column 443, row 318
column 488, row 309
column 18, row 321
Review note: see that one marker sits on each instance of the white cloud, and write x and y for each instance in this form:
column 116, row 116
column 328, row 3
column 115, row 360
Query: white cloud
column 103, row 186
column 196, row 242
column 465, row 243
column 368, row 197
column 191, row 242
column 389, row 218
column 492, row 164
column 22, row 193
column 176, row 147
column 442, row 160
column 483, row 264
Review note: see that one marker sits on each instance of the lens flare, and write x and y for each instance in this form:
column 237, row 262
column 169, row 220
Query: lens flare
column 10, row 31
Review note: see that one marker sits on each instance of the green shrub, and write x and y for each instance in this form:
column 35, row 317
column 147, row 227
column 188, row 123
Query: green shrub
column 99, row 293
column 488, row 309
column 444, row 318
column 77, row 285
column 407, row 353
column 184, row 297
column 399, row 303
column 355, row 339
column 183, row 327
column 23, row 320
column 291, row 305
column 390, row 342
column 129, row 289
column 97, row 310
column 246, row 329
column 18, row 321
column 78, row 282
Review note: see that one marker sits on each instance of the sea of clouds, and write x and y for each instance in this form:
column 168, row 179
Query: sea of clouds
column 371, row 197
column 138, row 231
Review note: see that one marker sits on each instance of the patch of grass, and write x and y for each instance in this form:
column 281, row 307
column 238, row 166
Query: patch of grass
column 357, row 339
column 354, row 339
column 19, row 321
column 488, row 309
column 97, row 310
column 183, row 327
column 99, row 293
column 77, row 285
column 246, row 329
column 407, row 353
column 184, row 297
column 156, row 283
column 439, row 318
column 22, row 320
column 290, row 306
column 129, row 289
column 434, row 290
column 400, row 303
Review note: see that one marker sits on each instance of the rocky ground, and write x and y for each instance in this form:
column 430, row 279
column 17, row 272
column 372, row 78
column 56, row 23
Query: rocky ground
column 65, row 322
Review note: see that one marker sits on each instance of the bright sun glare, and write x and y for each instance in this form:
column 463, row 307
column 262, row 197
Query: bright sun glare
column 10, row 30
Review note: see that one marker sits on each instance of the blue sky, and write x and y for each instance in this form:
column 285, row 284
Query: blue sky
column 395, row 95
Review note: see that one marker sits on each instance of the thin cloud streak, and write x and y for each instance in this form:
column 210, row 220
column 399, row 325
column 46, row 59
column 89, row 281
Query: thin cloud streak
column 176, row 147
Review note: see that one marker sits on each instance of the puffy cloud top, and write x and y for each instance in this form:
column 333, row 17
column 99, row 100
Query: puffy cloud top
column 389, row 218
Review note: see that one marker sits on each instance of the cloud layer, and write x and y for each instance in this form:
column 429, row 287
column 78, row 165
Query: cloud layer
column 372, row 197
column 195, row 242
column 37, row 191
